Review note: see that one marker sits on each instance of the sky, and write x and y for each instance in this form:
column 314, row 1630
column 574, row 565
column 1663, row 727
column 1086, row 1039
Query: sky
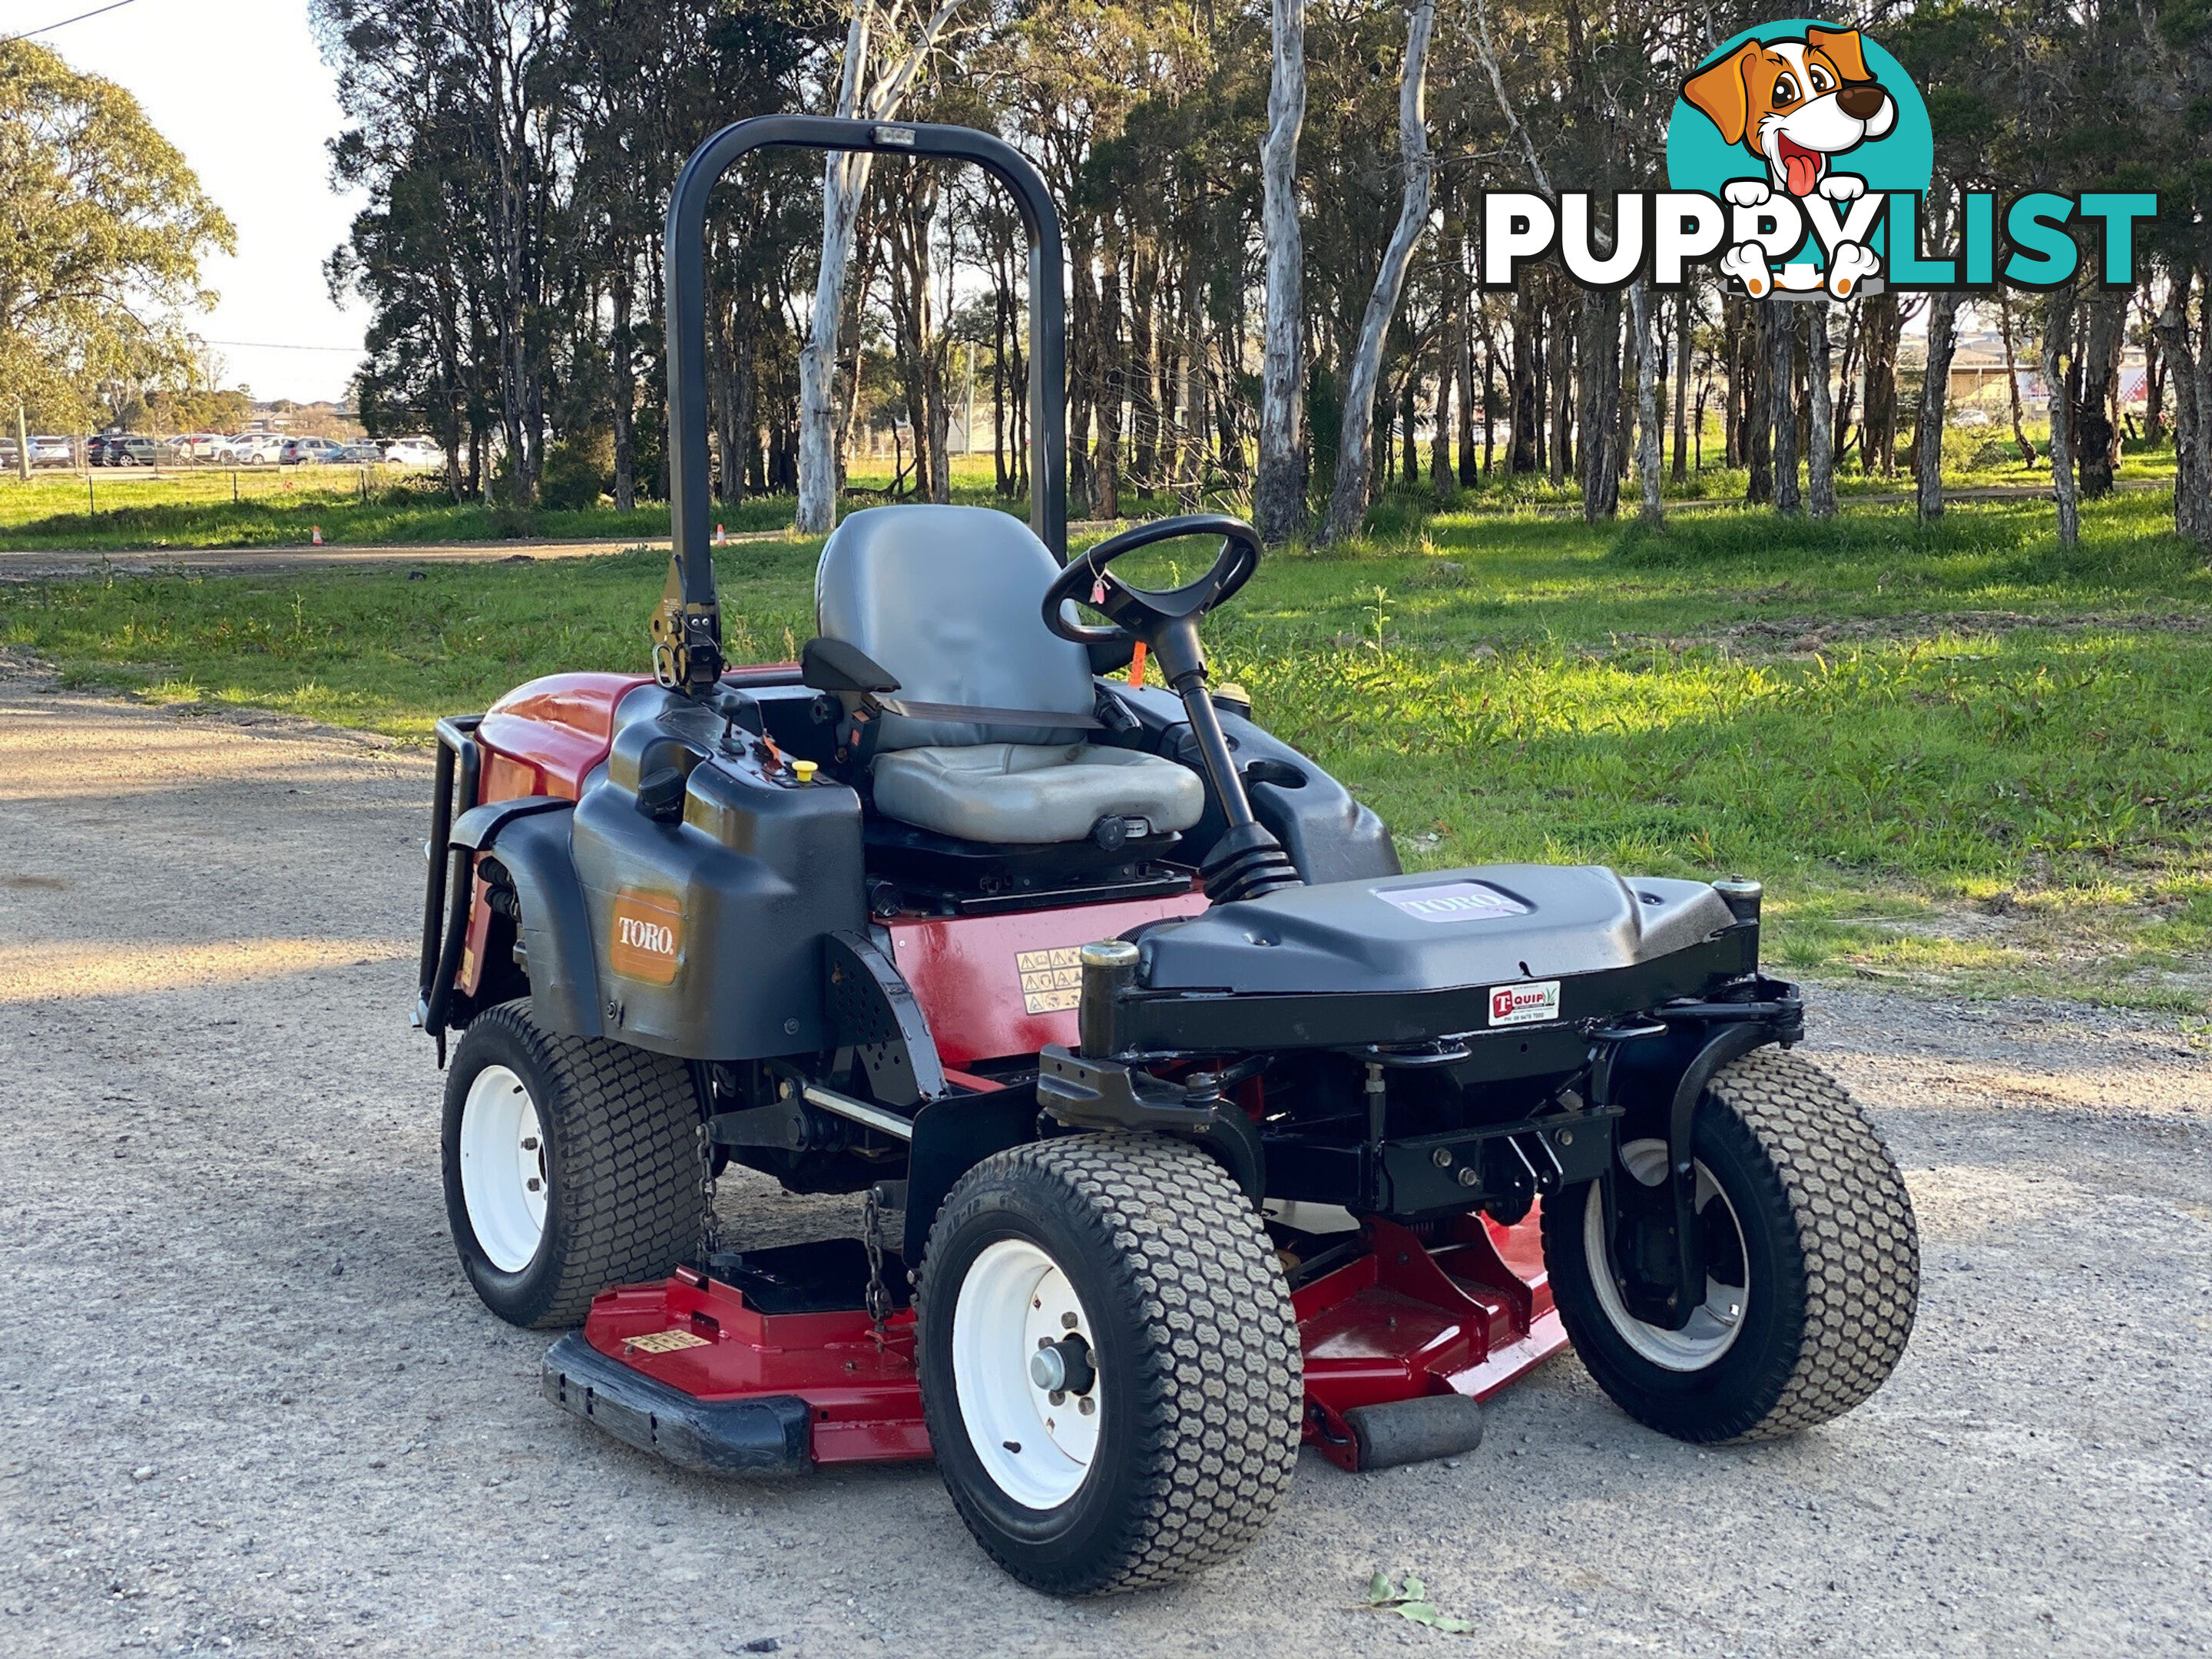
column 237, row 86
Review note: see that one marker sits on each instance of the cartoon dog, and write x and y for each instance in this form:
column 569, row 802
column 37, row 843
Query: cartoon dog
column 1795, row 104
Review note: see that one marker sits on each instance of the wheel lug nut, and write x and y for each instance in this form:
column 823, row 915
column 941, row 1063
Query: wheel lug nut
column 1058, row 1397
column 1086, row 1405
column 1068, row 1322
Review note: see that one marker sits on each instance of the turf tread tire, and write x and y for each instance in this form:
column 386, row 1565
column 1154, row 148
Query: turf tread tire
column 1855, row 1226
column 630, row 1183
column 1180, row 1247
column 1847, row 1257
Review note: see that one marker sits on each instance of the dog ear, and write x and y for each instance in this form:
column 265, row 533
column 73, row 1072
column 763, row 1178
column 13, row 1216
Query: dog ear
column 1841, row 48
column 1719, row 91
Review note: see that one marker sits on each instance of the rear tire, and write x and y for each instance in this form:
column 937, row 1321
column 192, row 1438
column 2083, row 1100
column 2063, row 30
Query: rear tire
column 618, row 1157
column 1814, row 1270
column 1171, row 1318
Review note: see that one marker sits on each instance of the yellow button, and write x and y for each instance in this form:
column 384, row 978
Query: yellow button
column 805, row 770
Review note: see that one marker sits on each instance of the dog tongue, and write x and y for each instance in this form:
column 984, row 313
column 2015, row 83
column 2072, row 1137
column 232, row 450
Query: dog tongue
column 1804, row 167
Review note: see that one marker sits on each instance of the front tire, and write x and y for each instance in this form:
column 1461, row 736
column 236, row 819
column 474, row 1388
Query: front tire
column 571, row 1164
column 1813, row 1264
column 1131, row 1272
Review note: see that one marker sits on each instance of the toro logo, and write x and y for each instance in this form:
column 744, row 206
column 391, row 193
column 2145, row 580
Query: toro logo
column 1525, row 1005
column 648, row 934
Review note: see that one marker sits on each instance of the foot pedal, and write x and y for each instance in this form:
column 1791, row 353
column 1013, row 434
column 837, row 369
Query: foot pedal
column 1415, row 1431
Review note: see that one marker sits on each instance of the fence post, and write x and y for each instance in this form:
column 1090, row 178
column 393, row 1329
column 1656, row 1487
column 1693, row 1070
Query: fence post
column 22, row 444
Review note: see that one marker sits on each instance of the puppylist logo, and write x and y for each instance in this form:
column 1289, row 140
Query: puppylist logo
column 1800, row 157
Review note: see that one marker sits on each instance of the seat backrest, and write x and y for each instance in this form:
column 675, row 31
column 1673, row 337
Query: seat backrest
column 950, row 599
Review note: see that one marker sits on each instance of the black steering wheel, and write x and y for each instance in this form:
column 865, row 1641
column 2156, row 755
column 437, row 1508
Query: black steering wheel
column 1135, row 612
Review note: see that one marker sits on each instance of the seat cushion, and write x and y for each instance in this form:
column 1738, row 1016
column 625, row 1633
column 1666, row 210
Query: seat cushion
column 1031, row 795
column 950, row 599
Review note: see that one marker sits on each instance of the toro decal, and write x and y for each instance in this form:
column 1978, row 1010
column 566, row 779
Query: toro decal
column 648, row 938
column 1452, row 900
column 1525, row 1005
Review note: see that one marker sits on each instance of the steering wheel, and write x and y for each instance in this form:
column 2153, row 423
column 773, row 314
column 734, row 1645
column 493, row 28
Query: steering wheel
column 1136, row 612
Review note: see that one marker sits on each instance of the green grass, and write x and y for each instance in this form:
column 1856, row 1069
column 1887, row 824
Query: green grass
column 268, row 507
column 1959, row 756
column 134, row 511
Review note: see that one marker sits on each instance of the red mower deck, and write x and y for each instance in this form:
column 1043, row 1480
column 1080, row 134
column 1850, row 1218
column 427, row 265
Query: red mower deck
column 691, row 1370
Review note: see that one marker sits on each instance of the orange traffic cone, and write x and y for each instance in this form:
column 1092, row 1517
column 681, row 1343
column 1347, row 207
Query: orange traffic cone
column 722, row 536
column 319, row 535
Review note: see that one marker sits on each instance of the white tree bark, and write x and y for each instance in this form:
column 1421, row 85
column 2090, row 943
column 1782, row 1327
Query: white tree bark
column 1347, row 500
column 2058, row 346
column 1820, row 456
column 1278, row 493
column 844, row 181
column 1647, row 397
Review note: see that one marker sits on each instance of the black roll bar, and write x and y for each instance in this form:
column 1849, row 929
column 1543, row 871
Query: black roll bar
column 688, row 627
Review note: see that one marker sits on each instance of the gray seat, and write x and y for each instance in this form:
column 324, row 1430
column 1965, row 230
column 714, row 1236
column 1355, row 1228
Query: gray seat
column 948, row 599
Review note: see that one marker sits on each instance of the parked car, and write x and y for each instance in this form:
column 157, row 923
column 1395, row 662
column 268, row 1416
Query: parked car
column 131, row 449
column 95, row 448
column 414, row 452
column 50, row 450
column 308, row 451
column 255, row 449
column 365, row 454
column 197, row 445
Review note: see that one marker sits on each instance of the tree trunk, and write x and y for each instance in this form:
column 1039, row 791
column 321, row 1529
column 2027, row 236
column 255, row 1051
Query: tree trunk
column 1736, row 417
column 1409, row 421
column 1759, row 406
column 1597, row 352
column 822, row 420
column 1107, row 349
column 844, row 180
column 2155, row 372
column 1142, row 377
column 1934, row 391
column 622, row 367
column 1648, row 401
column 1782, row 376
column 1684, row 313
column 2020, row 437
column 1525, row 414
column 2057, row 329
column 1560, row 363
column 1449, row 351
column 1278, row 503
column 1347, row 503
column 2191, row 383
column 2094, row 437
column 1470, row 462
column 1882, row 325
column 1820, row 452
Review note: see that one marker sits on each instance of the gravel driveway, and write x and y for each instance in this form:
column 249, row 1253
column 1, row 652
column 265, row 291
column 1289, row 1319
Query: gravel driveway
column 248, row 1405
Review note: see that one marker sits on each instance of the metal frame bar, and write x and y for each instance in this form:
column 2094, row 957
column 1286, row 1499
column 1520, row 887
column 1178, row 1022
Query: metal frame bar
column 690, row 513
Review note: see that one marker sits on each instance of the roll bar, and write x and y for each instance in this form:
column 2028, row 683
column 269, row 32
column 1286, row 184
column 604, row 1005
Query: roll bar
column 687, row 629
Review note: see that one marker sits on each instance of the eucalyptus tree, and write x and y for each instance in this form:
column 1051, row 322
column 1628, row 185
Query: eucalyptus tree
column 106, row 229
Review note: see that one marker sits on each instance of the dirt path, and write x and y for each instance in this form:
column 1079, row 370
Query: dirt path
column 247, row 1406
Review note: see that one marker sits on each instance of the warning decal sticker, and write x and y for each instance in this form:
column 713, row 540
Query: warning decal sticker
column 1052, row 980
column 664, row 1342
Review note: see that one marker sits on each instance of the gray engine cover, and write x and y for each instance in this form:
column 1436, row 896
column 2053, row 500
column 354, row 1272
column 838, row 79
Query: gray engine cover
column 1433, row 931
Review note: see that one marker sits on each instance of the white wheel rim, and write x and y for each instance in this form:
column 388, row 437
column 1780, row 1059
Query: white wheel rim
column 1714, row 1323
column 503, row 1173
column 1014, row 1302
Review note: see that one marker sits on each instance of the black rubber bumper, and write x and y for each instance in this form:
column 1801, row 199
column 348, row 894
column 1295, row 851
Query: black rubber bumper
column 770, row 1436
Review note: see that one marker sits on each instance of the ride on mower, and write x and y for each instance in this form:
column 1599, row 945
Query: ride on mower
column 1190, row 1128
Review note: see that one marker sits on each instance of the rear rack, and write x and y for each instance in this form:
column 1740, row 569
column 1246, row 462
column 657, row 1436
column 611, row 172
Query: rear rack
column 444, row 925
